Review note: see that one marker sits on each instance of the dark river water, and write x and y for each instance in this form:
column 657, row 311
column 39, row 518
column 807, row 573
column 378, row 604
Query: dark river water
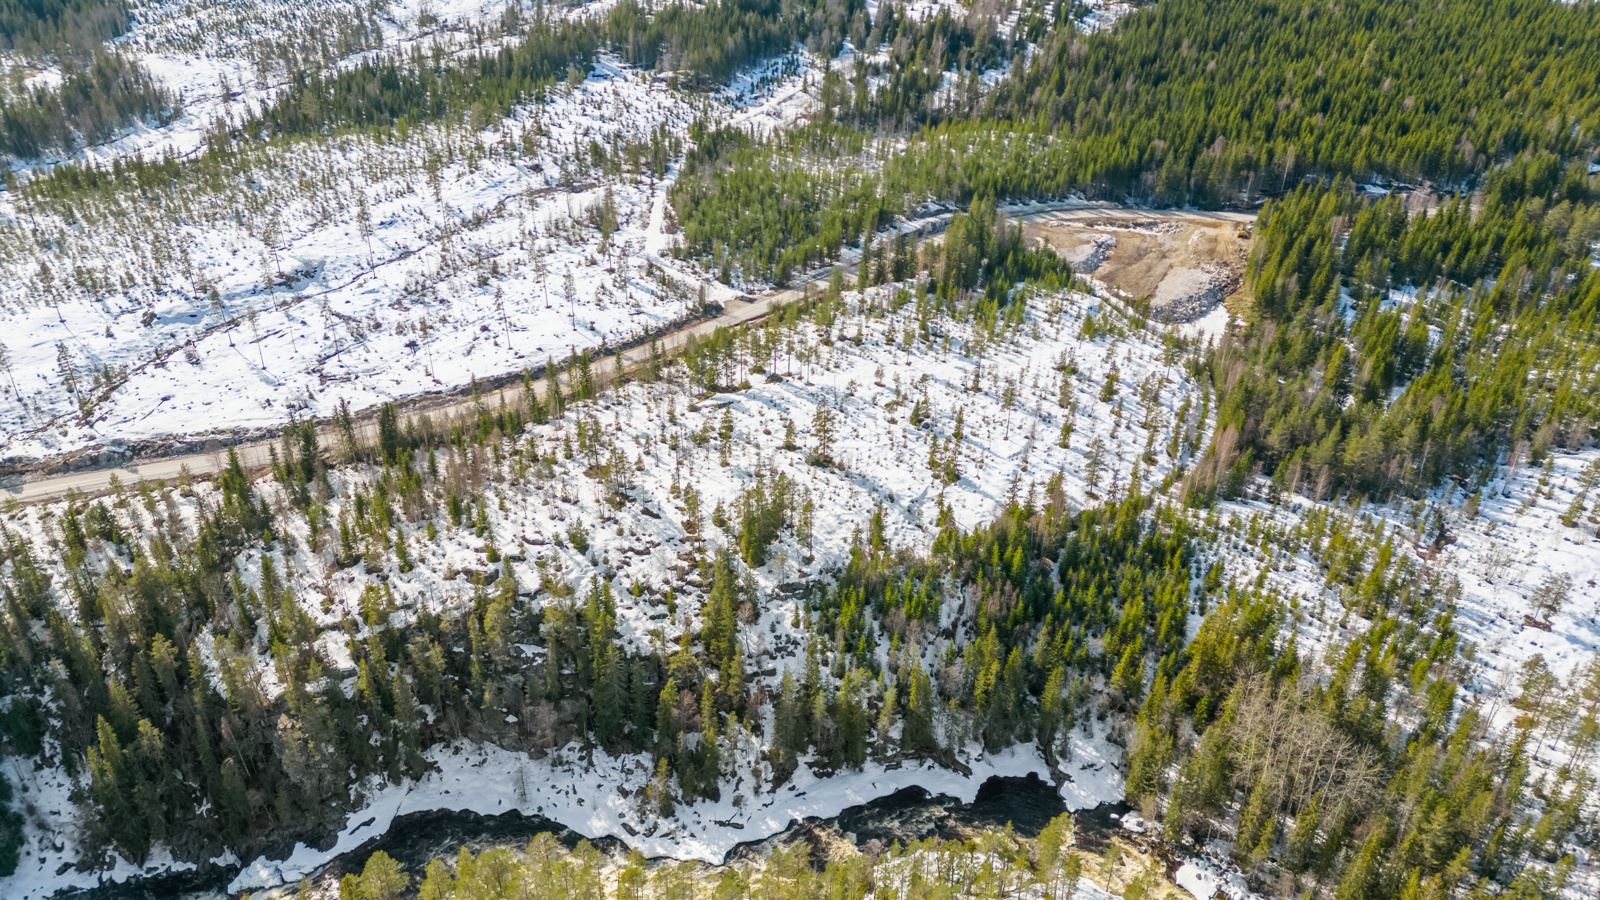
column 1026, row 803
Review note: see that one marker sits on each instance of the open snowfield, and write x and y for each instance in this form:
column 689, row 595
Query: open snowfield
column 356, row 271
column 410, row 267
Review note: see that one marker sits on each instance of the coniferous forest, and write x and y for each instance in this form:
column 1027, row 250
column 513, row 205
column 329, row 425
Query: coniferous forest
column 1309, row 580
column 1020, row 631
column 1187, row 103
column 91, row 105
column 57, row 25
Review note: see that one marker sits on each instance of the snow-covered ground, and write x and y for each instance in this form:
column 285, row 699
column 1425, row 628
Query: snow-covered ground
column 1486, row 570
column 363, row 270
column 1207, row 877
column 776, row 94
column 1010, row 446
column 47, row 855
column 298, row 276
column 1533, row 526
column 408, row 267
column 221, row 58
column 1527, row 527
column 1006, row 391
column 1103, row 14
column 598, row 795
column 294, row 277
column 591, row 792
column 1098, row 15
column 359, row 270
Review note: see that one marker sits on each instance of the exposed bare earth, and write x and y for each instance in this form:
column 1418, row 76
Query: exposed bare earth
column 1181, row 263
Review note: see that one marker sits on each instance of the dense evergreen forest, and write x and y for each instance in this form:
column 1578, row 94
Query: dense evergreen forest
column 1187, row 102
column 1391, row 349
column 1206, row 103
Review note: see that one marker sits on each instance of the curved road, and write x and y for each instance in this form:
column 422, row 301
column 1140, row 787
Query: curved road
column 254, row 454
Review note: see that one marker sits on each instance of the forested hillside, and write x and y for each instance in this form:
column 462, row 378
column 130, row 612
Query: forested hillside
column 178, row 643
column 112, row 643
column 50, row 26
column 494, row 518
column 1264, row 109
column 703, row 45
column 1215, row 102
column 1201, row 103
column 1389, row 350
column 90, row 105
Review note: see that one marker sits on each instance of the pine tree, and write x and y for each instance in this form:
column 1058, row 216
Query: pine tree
column 666, row 718
column 389, row 433
column 916, row 734
column 1363, row 877
column 381, row 878
column 822, row 428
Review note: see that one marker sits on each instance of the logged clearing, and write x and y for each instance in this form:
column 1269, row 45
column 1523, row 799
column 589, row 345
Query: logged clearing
column 1183, row 264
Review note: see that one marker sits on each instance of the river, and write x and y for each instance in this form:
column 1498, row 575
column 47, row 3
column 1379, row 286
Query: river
column 1026, row 803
